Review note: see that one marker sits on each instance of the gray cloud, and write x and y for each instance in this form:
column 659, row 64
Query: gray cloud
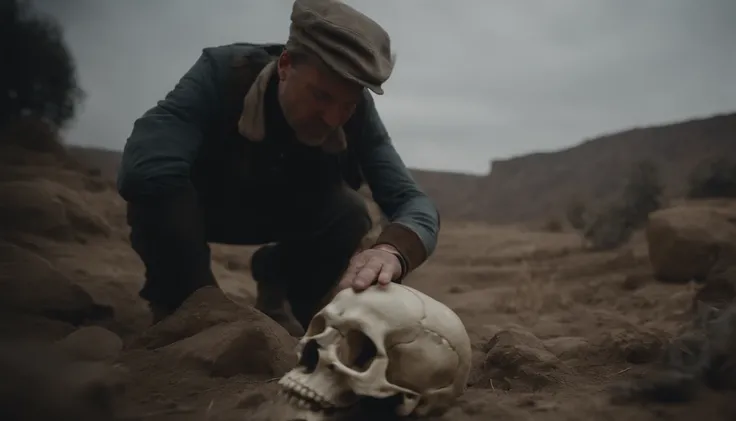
column 474, row 81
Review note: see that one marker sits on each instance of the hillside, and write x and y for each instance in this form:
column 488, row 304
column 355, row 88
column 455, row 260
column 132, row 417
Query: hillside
column 540, row 185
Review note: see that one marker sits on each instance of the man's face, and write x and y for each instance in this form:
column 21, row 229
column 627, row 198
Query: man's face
column 314, row 100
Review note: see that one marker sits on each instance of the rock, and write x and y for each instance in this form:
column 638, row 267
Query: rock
column 721, row 348
column 241, row 347
column 27, row 208
column 518, row 359
column 686, row 242
column 634, row 345
column 634, row 281
column 49, row 209
column 40, row 384
column 567, row 346
column 223, row 337
column 30, row 284
column 92, row 343
column 205, row 308
column 254, row 399
column 20, row 326
column 508, row 345
column 719, row 290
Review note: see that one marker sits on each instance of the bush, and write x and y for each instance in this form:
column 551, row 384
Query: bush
column 713, row 179
column 642, row 195
column 39, row 72
column 608, row 229
column 553, row 225
column 575, row 214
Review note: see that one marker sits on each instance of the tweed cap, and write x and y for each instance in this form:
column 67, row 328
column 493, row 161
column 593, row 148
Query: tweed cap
column 347, row 41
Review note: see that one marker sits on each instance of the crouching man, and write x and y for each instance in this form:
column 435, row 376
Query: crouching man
column 266, row 144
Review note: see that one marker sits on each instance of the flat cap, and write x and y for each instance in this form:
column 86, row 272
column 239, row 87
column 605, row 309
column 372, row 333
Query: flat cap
column 347, row 41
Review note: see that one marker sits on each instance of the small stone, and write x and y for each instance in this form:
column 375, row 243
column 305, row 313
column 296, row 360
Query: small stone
column 567, row 346
column 634, row 281
column 636, row 346
column 252, row 400
column 518, row 359
column 92, row 343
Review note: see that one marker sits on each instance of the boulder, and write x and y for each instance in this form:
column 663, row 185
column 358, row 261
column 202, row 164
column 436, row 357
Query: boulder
column 242, row 347
column 687, row 242
column 205, row 308
column 30, row 284
column 40, row 383
column 211, row 332
column 49, row 209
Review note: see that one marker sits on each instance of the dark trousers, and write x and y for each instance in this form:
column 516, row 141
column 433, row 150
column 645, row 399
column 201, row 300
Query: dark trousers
column 312, row 237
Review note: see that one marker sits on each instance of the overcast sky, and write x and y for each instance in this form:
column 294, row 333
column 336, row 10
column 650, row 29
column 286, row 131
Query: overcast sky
column 475, row 80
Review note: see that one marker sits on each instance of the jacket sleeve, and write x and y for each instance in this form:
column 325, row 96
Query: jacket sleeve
column 164, row 142
column 414, row 220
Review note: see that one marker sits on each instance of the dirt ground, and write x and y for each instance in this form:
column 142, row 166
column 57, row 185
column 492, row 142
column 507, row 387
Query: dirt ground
column 577, row 326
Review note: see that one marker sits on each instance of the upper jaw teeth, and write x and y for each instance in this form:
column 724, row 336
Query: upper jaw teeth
column 306, row 401
column 306, row 398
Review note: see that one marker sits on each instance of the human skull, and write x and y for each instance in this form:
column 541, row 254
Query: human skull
column 391, row 341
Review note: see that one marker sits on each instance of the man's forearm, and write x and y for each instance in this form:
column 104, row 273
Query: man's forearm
column 414, row 220
column 413, row 231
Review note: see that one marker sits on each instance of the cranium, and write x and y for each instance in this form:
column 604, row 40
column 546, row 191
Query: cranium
column 383, row 342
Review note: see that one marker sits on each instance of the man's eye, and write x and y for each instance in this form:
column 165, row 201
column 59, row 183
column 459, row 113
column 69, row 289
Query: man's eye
column 320, row 96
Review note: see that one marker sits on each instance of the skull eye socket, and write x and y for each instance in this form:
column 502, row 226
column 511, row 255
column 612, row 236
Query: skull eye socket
column 310, row 356
column 357, row 351
column 316, row 326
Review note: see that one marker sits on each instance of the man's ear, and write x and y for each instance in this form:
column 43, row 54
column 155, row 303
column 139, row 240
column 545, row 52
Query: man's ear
column 283, row 65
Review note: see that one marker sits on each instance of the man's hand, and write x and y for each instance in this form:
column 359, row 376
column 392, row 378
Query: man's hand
column 378, row 264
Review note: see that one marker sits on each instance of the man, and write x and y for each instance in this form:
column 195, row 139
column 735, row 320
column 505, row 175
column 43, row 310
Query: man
column 266, row 145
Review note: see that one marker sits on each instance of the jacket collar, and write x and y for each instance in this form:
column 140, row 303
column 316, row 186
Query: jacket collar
column 252, row 122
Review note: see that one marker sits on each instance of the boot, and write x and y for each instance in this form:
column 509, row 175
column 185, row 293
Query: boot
column 271, row 301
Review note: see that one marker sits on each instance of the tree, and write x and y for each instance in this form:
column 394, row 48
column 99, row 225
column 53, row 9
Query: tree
column 39, row 74
column 575, row 214
column 715, row 178
column 642, row 193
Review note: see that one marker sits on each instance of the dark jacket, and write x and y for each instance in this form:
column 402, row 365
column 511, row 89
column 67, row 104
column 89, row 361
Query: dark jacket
column 191, row 139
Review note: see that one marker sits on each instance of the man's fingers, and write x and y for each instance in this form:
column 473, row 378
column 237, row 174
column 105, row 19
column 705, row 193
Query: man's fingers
column 356, row 263
column 384, row 278
column 367, row 274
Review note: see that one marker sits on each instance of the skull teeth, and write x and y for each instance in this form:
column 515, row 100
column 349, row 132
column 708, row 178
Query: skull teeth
column 306, row 403
column 304, row 398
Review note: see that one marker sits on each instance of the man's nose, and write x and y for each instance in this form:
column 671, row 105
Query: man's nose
column 333, row 116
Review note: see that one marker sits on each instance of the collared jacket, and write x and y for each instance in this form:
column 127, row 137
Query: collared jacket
column 209, row 130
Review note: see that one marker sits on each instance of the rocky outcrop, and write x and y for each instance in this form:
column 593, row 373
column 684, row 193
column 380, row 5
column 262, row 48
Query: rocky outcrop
column 48, row 209
column 212, row 333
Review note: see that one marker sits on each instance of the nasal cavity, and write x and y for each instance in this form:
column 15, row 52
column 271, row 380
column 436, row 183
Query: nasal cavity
column 310, row 356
